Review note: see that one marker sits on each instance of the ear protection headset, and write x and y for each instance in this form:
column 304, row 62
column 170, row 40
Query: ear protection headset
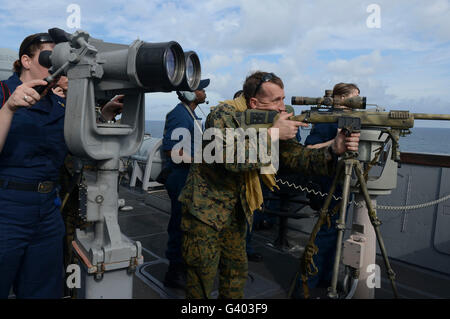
column 186, row 96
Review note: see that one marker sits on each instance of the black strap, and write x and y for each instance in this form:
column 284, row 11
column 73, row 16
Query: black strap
column 74, row 181
column 5, row 91
column 42, row 187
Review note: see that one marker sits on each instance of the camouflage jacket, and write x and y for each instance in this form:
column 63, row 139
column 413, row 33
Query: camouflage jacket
column 212, row 190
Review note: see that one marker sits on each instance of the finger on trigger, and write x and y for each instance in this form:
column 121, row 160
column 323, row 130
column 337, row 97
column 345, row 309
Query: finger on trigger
column 285, row 115
column 34, row 83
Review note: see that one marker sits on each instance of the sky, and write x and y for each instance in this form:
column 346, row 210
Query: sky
column 397, row 52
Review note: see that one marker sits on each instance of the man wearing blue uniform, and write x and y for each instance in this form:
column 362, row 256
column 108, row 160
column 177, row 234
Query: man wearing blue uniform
column 182, row 116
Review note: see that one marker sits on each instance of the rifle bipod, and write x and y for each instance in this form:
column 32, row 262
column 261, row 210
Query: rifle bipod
column 346, row 166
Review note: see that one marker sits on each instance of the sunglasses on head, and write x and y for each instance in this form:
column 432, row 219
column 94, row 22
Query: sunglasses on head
column 38, row 39
column 266, row 78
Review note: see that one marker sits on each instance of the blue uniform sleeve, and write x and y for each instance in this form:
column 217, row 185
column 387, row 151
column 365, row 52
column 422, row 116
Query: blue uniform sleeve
column 298, row 136
column 320, row 133
column 175, row 119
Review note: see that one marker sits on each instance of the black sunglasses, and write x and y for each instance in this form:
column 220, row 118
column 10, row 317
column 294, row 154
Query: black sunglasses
column 266, row 78
column 39, row 38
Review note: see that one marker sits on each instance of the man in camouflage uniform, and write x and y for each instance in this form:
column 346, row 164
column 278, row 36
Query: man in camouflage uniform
column 215, row 202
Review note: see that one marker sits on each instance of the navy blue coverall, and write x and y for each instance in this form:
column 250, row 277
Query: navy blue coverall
column 31, row 225
column 179, row 117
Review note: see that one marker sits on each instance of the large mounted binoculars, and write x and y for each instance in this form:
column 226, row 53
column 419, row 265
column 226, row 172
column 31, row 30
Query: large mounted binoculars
column 98, row 71
column 356, row 102
column 154, row 67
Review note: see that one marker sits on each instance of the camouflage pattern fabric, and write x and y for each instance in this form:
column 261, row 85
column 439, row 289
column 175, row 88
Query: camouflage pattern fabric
column 210, row 199
column 213, row 190
column 205, row 250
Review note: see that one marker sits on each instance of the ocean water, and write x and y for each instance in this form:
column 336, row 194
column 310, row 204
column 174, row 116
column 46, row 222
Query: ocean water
column 421, row 139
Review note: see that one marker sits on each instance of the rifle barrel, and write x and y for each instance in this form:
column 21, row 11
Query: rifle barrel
column 426, row 116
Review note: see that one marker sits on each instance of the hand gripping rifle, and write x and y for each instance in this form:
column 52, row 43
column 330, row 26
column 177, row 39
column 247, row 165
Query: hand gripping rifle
column 377, row 128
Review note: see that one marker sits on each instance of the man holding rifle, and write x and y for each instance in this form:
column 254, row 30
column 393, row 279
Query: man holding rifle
column 219, row 198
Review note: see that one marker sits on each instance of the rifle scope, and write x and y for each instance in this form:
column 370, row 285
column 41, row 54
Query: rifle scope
column 356, row 102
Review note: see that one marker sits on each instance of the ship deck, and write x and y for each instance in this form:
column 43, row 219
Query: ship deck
column 271, row 278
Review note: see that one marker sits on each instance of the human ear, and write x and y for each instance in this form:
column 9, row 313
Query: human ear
column 25, row 60
column 252, row 102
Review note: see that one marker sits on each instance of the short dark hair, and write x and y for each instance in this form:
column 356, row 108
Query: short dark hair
column 254, row 81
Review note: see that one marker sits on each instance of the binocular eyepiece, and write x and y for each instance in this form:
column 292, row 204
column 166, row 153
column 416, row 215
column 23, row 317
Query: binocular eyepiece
column 356, row 102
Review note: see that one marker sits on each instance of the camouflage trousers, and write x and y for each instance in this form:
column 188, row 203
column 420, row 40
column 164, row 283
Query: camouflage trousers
column 206, row 251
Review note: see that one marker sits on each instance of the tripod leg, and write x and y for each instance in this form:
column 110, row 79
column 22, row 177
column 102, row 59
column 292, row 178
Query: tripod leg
column 340, row 225
column 376, row 225
column 307, row 257
column 324, row 209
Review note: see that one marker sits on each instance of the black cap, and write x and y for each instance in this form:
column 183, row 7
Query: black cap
column 34, row 39
column 203, row 84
